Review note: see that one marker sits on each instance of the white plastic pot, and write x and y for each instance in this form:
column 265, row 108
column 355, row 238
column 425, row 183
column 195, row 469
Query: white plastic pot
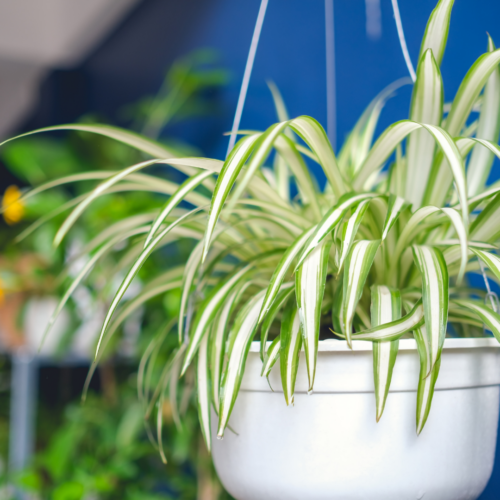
column 329, row 446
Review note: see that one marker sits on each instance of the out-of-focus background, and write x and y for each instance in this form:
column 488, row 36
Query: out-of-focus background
column 170, row 69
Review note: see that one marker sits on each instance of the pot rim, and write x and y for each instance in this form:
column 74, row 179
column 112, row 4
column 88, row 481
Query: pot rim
column 334, row 345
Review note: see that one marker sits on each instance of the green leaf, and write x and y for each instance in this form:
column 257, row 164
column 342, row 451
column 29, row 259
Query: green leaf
column 395, row 206
column 207, row 312
column 272, row 355
column 291, row 342
column 434, row 273
column 240, row 340
column 489, row 128
column 395, row 329
column 349, row 232
column 491, row 260
column 135, row 269
column 486, row 227
column 427, row 378
column 426, row 107
column 313, row 134
column 356, row 271
column 385, row 308
column 281, row 270
column 203, row 384
column 330, row 220
column 489, row 317
column 281, row 297
column 230, row 170
column 310, row 281
column 185, row 188
column 436, row 31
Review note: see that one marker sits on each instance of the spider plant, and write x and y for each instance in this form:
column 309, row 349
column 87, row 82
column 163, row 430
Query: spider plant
column 380, row 251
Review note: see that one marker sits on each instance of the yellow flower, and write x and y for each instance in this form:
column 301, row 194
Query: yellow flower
column 13, row 208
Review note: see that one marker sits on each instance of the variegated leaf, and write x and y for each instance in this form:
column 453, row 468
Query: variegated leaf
column 395, row 329
column 434, row 273
column 310, row 281
column 203, row 384
column 385, row 308
column 491, row 260
column 486, row 227
column 356, row 270
column 331, row 220
column 290, row 341
column 427, row 378
column 489, row 317
column 280, row 299
column 272, row 355
column 240, row 340
column 395, row 206
column 281, row 270
column 481, row 159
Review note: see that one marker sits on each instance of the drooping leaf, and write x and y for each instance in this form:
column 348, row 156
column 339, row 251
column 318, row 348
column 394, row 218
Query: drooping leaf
column 310, row 280
column 491, row 260
column 356, row 270
column 486, row 227
column 203, row 384
column 272, row 355
column 291, row 342
column 434, row 273
column 241, row 336
column 489, row 317
column 385, row 308
column 427, row 378
column 394, row 208
column 281, row 298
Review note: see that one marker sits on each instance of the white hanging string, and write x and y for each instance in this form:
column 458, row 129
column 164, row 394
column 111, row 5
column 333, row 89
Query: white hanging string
column 331, row 104
column 402, row 40
column 247, row 74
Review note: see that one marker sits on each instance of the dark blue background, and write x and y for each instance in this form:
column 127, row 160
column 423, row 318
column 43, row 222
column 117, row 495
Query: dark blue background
column 132, row 61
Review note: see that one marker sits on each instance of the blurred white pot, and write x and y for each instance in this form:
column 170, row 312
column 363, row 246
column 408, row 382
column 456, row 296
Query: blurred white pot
column 36, row 317
column 329, row 446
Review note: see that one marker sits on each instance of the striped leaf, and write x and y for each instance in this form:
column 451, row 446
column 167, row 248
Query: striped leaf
column 426, row 107
column 356, row 271
column 349, row 232
column 489, row 317
column 385, row 308
column 481, row 159
column 427, row 378
column 281, row 298
column 230, row 170
column 330, row 220
column 217, row 345
column 486, row 227
column 395, row 329
column 135, row 269
column 184, row 189
column 291, row 342
column 313, row 134
column 395, row 206
column 491, row 260
column 203, row 384
column 240, row 340
column 310, row 282
column 436, row 31
column 281, row 270
column 207, row 312
column 431, row 264
column 272, row 355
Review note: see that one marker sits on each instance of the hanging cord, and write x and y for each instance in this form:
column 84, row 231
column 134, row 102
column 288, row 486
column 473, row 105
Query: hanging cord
column 331, row 105
column 247, row 74
column 236, row 124
column 402, row 40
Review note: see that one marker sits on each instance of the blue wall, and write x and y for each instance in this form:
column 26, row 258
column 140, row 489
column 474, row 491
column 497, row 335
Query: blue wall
column 291, row 52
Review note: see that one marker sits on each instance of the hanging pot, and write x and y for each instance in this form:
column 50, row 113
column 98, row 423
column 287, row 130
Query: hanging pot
column 328, row 446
